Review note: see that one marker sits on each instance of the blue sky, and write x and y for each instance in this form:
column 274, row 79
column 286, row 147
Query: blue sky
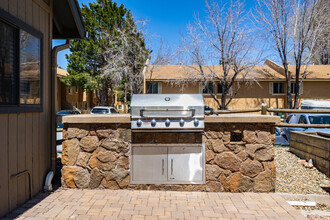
column 166, row 19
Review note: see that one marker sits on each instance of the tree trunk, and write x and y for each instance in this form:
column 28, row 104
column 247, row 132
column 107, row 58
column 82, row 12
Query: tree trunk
column 223, row 101
column 125, row 97
column 297, row 87
column 104, row 96
column 112, row 98
column 288, row 87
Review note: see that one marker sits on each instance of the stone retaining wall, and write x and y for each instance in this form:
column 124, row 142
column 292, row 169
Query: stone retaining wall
column 239, row 157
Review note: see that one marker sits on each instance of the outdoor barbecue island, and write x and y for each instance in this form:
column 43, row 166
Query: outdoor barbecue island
column 230, row 153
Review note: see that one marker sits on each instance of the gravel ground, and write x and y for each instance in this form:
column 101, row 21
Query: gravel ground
column 292, row 177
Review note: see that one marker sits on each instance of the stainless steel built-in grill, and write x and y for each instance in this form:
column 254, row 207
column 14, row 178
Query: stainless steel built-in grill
column 161, row 156
column 167, row 112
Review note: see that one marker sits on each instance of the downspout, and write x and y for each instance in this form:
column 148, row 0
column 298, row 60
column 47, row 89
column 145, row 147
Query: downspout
column 53, row 155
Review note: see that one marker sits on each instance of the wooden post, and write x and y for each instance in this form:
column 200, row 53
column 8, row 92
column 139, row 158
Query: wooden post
column 263, row 108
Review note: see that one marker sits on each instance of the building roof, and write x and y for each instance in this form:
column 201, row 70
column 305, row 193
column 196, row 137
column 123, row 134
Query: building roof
column 269, row 71
column 61, row 73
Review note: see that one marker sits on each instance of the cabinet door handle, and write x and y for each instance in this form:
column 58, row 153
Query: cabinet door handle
column 163, row 162
column 172, row 166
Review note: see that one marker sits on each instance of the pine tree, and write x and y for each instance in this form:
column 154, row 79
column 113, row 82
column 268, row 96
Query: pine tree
column 87, row 61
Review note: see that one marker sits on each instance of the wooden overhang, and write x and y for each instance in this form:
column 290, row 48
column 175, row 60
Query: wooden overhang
column 67, row 20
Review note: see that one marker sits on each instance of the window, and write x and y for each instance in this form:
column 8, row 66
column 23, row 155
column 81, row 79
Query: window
column 219, row 88
column 276, row 88
column 302, row 120
column 208, row 88
column 76, row 89
column 153, row 87
column 288, row 118
column 293, row 89
column 69, row 90
column 112, row 110
column 20, row 66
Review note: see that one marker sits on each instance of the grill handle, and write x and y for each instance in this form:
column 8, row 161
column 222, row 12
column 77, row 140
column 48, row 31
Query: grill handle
column 162, row 110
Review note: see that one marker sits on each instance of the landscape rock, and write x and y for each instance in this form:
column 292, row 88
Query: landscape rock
column 82, row 159
column 264, row 154
column 79, row 131
column 123, row 162
column 70, row 152
column 89, row 143
column 105, row 156
column 242, row 155
column 118, row 174
column 213, row 186
column 236, row 148
column 228, row 160
column 233, row 182
column 124, row 134
column 212, row 172
column 68, row 174
column 251, row 149
column 110, row 184
column 118, row 146
column 251, row 168
column 249, row 137
column 105, row 133
column 226, row 137
column 263, row 182
column 217, row 145
column 95, row 178
column 214, row 134
column 81, row 178
column 124, row 182
column 209, row 155
column 264, row 137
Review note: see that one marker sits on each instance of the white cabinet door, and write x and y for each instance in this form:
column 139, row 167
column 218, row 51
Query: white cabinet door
column 149, row 165
column 185, row 164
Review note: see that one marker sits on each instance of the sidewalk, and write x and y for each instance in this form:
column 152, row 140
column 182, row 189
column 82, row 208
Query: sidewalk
column 129, row 204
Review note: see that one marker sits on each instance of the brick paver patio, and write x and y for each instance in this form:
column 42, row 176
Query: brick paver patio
column 129, row 204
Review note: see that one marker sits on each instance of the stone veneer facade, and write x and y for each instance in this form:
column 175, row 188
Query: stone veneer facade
column 239, row 156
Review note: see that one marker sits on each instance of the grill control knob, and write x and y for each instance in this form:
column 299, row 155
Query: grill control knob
column 139, row 123
column 153, row 122
column 167, row 122
column 181, row 122
column 196, row 122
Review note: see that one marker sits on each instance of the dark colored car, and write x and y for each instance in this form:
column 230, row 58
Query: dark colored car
column 61, row 113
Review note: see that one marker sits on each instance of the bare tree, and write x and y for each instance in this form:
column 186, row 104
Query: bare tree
column 221, row 38
column 305, row 34
column 273, row 19
column 321, row 50
column 163, row 56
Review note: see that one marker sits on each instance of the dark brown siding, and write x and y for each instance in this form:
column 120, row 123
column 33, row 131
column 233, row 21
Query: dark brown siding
column 25, row 137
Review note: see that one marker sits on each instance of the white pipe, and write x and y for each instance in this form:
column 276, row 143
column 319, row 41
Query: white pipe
column 48, row 182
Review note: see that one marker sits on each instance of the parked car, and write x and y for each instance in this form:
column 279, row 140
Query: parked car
column 305, row 119
column 103, row 110
column 61, row 113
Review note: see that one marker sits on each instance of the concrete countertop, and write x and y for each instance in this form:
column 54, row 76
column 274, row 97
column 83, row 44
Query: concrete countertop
column 125, row 118
column 242, row 118
column 94, row 118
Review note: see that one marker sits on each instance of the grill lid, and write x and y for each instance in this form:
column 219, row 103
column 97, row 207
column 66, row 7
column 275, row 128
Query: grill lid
column 156, row 100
